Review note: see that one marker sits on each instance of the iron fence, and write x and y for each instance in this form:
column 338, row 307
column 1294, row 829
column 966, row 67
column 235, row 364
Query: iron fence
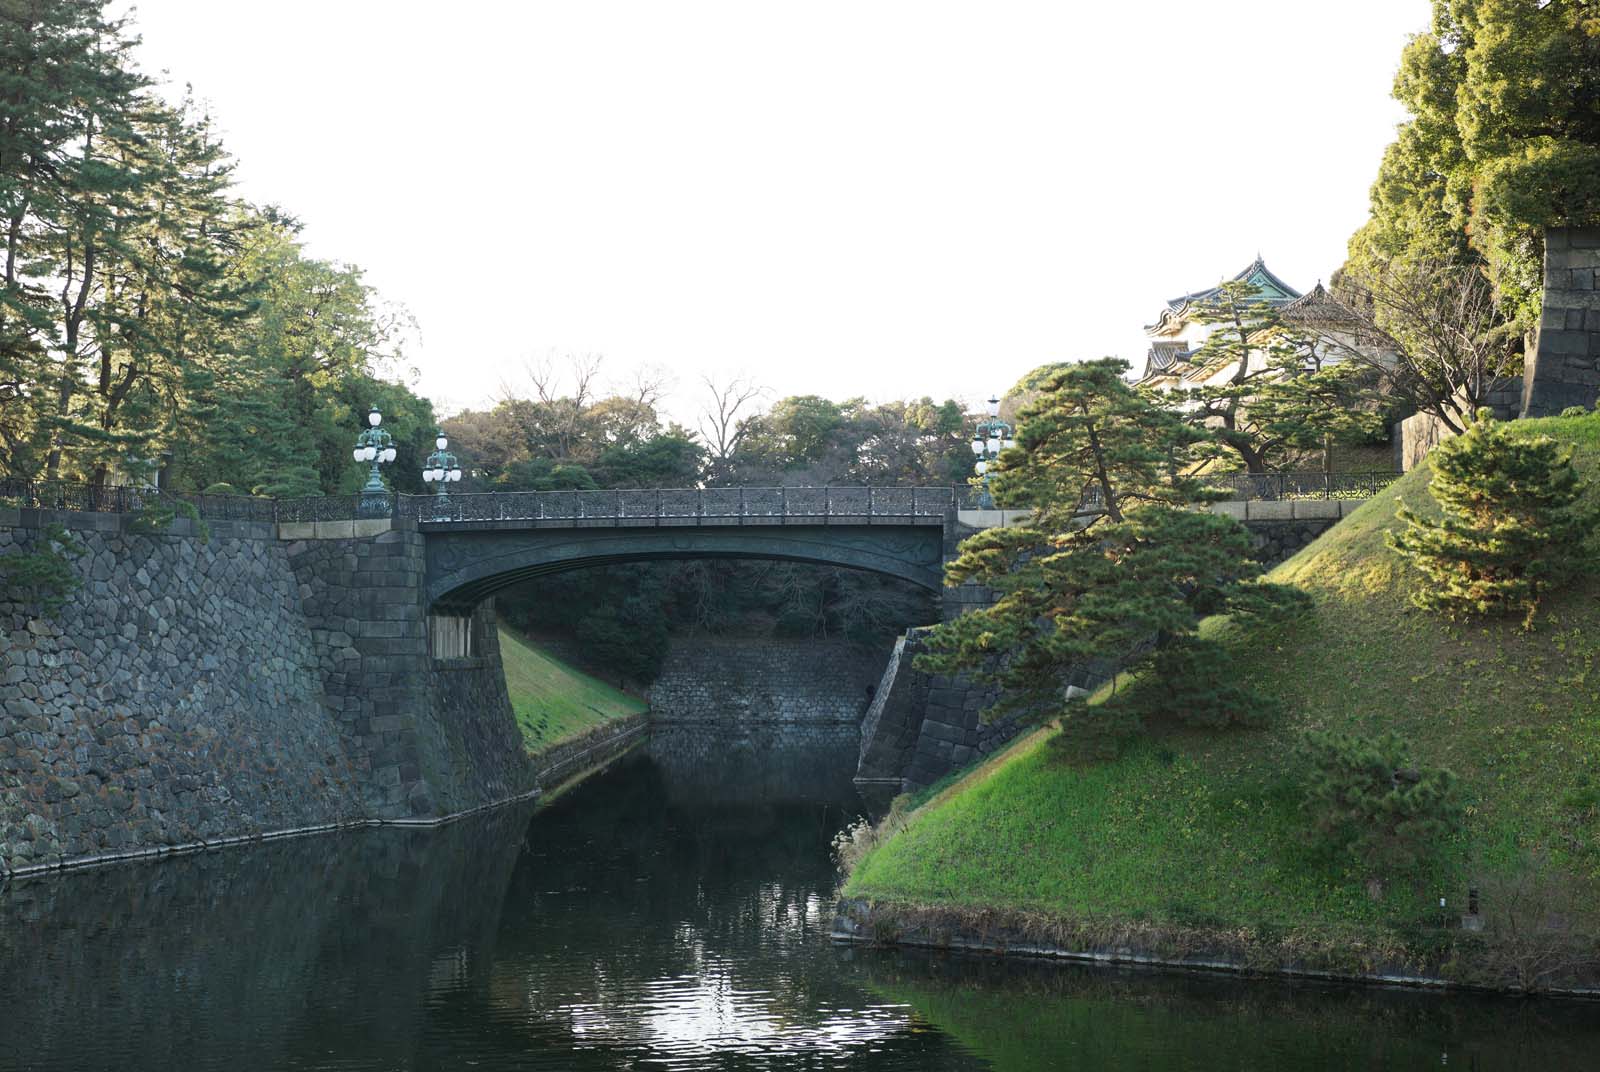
column 735, row 505
column 678, row 505
column 1299, row 485
column 126, row 499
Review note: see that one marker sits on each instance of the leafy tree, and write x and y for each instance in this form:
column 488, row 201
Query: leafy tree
column 1512, row 523
column 1503, row 141
column 1364, row 797
column 669, row 460
column 68, row 88
column 1452, row 344
column 1112, row 566
column 1278, row 395
column 1530, row 109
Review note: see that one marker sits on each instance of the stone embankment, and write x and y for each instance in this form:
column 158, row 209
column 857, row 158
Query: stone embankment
column 199, row 689
column 174, row 699
column 804, row 684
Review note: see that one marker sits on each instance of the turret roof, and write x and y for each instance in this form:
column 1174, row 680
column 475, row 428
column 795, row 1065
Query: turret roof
column 1269, row 288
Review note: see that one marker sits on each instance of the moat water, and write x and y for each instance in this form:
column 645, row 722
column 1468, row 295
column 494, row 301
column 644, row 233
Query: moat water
column 669, row 914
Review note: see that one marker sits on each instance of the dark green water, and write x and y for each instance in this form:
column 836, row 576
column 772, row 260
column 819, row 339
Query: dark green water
column 664, row 916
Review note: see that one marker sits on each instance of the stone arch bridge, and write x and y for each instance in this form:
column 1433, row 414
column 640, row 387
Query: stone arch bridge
column 476, row 545
column 388, row 621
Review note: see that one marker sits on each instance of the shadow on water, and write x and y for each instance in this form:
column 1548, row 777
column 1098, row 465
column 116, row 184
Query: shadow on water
column 671, row 913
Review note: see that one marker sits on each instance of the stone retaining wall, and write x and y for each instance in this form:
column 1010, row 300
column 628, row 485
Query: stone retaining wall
column 193, row 691
column 438, row 736
column 1563, row 368
column 746, row 680
column 174, row 698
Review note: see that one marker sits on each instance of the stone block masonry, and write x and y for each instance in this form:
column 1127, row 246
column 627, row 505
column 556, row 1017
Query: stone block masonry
column 435, row 736
column 199, row 690
column 1563, row 368
column 173, row 699
column 800, row 682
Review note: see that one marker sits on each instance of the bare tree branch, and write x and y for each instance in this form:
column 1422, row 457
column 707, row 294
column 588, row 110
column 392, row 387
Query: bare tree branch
column 726, row 413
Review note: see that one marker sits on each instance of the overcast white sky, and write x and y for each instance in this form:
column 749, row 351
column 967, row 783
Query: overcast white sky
column 858, row 198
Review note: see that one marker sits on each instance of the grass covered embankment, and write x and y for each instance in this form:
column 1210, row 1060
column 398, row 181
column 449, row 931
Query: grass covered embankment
column 1200, row 833
column 553, row 701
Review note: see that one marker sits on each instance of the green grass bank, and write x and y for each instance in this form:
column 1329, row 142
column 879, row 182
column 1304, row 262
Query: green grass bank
column 1195, row 839
column 553, row 701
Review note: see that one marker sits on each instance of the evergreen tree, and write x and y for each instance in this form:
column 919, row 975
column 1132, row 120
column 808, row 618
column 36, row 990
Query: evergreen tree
column 1503, row 141
column 1278, row 396
column 1113, row 566
column 1363, row 796
column 1512, row 523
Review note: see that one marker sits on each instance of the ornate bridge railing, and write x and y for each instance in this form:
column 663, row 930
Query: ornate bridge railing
column 667, row 506
column 671, row 506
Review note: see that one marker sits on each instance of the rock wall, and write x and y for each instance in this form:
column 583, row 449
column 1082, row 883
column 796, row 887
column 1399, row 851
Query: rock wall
column 1419, row 433
column 1276, row 541
column 801, row 682
column 437, row 736
column 1563, row 368
column 173, row 699
column 194, row 690
column 922, row 726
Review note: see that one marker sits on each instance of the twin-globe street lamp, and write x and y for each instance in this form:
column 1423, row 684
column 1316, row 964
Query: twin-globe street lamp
column 441, row 468
column 989, row 438
column 376, row 446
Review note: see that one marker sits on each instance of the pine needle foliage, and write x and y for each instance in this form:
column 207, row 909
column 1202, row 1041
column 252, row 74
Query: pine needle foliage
column 1512, row 524
column 1364, row 797
column 1113, row 565
column 44, row 575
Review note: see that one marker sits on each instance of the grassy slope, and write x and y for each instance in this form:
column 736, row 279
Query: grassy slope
column 1203, row 828
column 551, row 699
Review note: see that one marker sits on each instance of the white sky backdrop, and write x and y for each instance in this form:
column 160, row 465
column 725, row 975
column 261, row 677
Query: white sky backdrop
column 858, row 198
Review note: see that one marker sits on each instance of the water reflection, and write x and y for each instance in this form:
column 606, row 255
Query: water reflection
column 671, row 914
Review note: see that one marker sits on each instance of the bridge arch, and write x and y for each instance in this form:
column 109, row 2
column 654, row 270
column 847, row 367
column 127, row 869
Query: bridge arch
column 466, row 565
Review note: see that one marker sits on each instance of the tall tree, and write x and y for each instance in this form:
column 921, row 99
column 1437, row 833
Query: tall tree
column 1111, row 566
column 1503, row 141
column 1272, row 392
column 68, row 93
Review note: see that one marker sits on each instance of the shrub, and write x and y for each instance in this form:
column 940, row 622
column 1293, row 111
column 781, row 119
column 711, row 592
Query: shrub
column 157, row 516
column 1540, row 923
column 1511, row 523
column 852, row 844
column 45, row 575
column 1363, row 797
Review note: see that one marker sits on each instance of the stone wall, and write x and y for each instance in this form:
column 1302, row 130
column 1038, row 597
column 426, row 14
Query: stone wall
column 1419, row 433
column 173, row 699
column 922, row 726
column 1563, row 368
column 1276, row 541
column 196, row 690
column 437, row 735
column 724, row 680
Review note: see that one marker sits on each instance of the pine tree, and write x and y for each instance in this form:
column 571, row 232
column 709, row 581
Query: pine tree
column 1511, row 528
column 1365, row 797
column 1113, row 565
column 1277, row 396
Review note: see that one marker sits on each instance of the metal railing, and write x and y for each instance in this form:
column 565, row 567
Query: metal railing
column 741, row 505
column 1302, row 485
column 737, row 505
column 126, row 499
